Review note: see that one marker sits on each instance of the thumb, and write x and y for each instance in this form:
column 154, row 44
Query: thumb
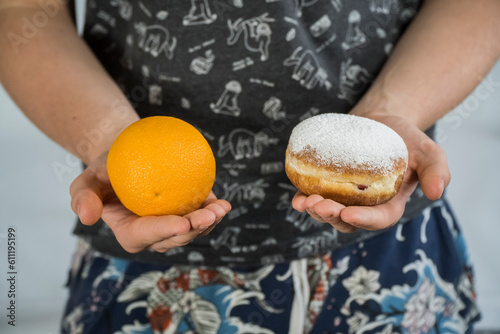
column 86, row 197
column 432, row 169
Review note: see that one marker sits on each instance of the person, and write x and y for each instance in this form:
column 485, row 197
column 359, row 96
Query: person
column 245, row 73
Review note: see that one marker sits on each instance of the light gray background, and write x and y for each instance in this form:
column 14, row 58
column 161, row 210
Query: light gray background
column 36, row 201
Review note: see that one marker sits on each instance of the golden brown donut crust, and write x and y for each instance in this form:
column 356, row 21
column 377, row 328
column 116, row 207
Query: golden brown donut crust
column 341, row 183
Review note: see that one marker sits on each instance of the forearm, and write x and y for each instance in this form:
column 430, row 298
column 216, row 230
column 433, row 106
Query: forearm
column 58, row 83
column 441, row 58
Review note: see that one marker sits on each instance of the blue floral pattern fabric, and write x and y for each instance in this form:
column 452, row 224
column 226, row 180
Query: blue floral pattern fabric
column 413, row 278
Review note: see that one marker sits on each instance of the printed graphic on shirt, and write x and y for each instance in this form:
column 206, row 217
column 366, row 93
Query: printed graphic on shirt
column 203, row 64
column 199, row 14
column 244, row 72
column 155, row 95
column 125, row 9
column 155, row 40
column 249, row 194
column 384, row 6
column 256, row 34
column 319, row 27
column 353, row 80
column 242, row 64
column 227, row 104
column 337, row 4
column 300, row 4
column 229, row 239
column 306, row 69
column 355, row 37
column 313, row 245
column 300, row 220
column 244, row 144
column 274, row 109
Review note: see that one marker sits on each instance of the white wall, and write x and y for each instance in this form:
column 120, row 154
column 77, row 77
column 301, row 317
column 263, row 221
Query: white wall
column 36, row 202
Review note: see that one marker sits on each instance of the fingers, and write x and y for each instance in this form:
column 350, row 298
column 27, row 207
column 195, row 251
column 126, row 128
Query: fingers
column 348, row 219
column 323, row 210
column 330, row 211
column 86, row 197
column 328, row 208
column 383, row 215
column 164, row 232
column 298, row 201
column 137, row 234
column 432, row 169
column 310, row 204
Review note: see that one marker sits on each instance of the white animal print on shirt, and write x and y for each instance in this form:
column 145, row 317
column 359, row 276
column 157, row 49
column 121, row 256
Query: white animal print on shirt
column 155, row 40
column 300, row 4
column 354, row 36
column 250, row 193
column 319, row 27
column 202, row 65
column 227, row 104
column 307, row 70
column 199, row 13
column 353, row 80
column 273, row 109
column 244, row 144
column 257, row 34
column 124, row 8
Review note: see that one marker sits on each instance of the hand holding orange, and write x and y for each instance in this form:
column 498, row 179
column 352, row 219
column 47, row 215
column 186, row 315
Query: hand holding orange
column 161, row 166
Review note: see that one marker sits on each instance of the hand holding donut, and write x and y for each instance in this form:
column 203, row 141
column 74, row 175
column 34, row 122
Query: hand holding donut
column 427, row 164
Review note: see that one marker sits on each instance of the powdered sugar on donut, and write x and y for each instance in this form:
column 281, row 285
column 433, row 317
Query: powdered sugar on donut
column 350, row 141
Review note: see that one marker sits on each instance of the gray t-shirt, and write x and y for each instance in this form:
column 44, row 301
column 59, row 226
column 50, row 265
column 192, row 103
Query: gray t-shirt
column 245, row 72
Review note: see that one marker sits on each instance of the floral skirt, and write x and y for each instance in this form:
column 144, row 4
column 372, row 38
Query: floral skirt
column 413, row 278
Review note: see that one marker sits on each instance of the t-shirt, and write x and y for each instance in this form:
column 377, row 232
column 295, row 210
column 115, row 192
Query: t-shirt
column 245, row 72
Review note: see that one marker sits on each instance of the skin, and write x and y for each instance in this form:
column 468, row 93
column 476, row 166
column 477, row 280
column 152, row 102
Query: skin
column 441, row 44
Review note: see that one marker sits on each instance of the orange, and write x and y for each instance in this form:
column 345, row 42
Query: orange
column 161, row 166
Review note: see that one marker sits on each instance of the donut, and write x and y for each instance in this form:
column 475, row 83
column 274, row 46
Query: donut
column 350, row 159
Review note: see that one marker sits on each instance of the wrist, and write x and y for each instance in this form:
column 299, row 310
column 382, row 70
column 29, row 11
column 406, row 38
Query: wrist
column 379, row 104
column 97, row 141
